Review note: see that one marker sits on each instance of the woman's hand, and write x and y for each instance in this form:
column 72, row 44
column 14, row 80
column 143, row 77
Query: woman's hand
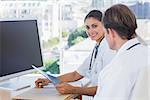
column 40, row 82
column 65, row 88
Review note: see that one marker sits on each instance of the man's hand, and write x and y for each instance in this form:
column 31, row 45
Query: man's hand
column 40, row 82
column 65, row 88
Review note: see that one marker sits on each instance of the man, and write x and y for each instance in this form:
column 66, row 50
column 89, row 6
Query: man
column 117, row 79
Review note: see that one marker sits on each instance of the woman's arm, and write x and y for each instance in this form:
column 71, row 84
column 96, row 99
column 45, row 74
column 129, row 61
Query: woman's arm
column 69, row 89
column 70, row 77
column 90, row 91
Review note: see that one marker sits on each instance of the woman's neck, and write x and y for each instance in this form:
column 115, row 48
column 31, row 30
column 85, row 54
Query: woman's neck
column 99, row 40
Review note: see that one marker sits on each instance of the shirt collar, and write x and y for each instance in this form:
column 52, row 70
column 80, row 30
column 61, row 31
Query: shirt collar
column 128, row 44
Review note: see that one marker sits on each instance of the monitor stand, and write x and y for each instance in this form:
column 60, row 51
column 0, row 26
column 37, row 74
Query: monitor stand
column 15, row 84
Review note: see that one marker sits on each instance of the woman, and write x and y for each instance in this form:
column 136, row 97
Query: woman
column 117, row 79
column 91, row 67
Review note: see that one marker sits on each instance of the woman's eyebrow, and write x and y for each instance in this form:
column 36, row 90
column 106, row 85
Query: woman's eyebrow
column 92, row 24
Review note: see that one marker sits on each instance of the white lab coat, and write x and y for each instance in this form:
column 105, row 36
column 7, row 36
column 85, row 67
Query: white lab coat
column 116, row 81
column 104, row 56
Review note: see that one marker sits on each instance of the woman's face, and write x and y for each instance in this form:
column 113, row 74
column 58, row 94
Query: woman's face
column 94, row 29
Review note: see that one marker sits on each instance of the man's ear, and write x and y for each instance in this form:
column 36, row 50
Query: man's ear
column 112, row 31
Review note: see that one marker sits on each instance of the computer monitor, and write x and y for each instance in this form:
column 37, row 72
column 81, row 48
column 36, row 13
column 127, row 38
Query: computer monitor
column 19, row 47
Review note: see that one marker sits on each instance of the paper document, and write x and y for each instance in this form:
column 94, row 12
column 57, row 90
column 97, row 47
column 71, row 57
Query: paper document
column 53, row 79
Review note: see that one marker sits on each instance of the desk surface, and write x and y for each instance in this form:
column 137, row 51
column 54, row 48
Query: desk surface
column 46, row 93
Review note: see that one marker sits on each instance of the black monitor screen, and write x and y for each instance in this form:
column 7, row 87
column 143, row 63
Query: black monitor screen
column 19, row 46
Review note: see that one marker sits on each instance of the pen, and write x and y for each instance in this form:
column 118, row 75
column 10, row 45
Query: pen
column 23, row 87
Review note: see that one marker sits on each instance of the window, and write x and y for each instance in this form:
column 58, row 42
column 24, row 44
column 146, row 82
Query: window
column 58, row 22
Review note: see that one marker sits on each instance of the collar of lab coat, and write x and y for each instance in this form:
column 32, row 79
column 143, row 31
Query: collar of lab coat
column 128, row 44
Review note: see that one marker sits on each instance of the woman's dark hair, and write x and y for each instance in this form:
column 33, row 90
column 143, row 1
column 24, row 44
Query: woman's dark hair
column 95, row 14
column 120, row 18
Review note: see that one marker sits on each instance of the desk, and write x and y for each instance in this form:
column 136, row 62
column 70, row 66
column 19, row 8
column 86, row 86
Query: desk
column 46, row 93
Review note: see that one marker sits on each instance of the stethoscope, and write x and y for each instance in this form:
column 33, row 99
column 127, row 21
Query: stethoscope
column 94, row 53
column 133, row 46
